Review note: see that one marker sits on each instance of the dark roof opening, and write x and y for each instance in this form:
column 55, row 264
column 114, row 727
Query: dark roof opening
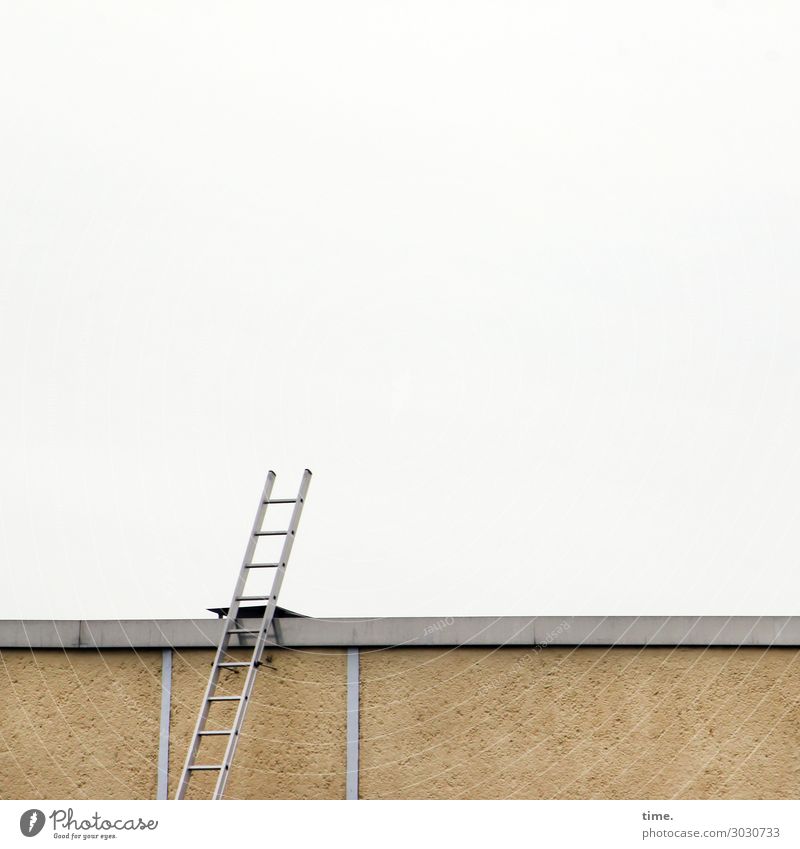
column 256, row 612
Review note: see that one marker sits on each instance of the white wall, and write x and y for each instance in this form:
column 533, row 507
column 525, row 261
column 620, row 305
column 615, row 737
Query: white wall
column 517, row 281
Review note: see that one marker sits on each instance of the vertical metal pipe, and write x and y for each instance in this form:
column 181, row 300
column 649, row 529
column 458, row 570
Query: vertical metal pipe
column 351, row 785
column 162, row 787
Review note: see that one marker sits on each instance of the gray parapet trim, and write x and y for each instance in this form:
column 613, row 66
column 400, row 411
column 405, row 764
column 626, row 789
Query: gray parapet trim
column 351, row 783
column 40, row 633
column 162, row 787
column 413, row 631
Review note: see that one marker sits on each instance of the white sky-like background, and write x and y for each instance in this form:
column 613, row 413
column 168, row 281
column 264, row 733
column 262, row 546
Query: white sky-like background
column 517, row 281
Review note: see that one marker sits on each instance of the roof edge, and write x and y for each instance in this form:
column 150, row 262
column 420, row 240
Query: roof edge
column 413, row 631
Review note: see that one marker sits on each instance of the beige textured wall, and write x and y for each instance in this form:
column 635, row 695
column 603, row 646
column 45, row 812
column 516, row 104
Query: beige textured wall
column 586, row 723
column 293, row 741
column 79, row 724
column 458, row 723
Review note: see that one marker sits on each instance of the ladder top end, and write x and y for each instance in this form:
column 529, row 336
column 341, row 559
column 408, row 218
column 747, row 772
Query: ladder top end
column 308, row 471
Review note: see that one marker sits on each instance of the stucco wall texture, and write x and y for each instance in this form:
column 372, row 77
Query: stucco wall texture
column 292, row 743
column 79, row 724
column 554, row 722
column 561, row 723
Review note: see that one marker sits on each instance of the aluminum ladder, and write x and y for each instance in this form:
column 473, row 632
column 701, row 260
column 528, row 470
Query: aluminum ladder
column 223, row 659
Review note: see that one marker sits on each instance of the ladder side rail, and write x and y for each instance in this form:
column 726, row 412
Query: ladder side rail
column 223, row 643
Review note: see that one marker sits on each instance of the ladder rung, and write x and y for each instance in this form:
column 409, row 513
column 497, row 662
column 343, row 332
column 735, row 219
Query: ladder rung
column 232, row 664
column 243, row 631
column 224, row 698
column 253, row 597
column 206, row 766
column 280, row 501
column 214, row 733
column 262, row 565
column 270, row 533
